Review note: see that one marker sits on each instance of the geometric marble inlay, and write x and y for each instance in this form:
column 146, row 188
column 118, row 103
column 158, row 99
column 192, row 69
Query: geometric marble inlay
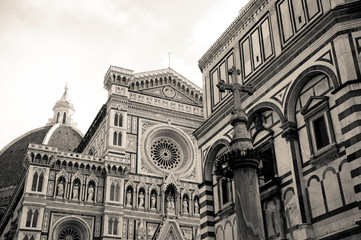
column 326, row 57
column 280, row 95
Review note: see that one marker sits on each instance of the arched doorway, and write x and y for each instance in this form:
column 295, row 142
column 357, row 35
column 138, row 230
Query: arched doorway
column 71, row 228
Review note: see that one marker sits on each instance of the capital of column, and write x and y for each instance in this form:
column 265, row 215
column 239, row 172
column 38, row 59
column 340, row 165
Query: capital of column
column 289, row 131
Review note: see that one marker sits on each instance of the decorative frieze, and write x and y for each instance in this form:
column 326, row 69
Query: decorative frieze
column 166, row 104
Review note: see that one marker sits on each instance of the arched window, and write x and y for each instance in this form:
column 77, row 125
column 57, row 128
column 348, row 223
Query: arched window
column 115, row 136
column 28, row 218
column 64, row 118
column 120, row 120
column 117, row 193
column 116, row 119
column 120, row 139
column 31, row 238
column 35, row 181
column 112, row 192
column 35, row 218
column 57, row 117
column 26, row 237
column 115, row 228
column 40, row 183
column 110, row 225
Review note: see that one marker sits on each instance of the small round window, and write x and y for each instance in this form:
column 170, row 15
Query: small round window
column 165, row 153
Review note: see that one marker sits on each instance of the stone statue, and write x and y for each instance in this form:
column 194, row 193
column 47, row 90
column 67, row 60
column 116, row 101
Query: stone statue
column 60, row 189
column 170, row 204
column 76, row 191
column 90, row 193
column 129, row 198
column 196, row 207
column 141, row 200
column 153, row 202
column 185, row 205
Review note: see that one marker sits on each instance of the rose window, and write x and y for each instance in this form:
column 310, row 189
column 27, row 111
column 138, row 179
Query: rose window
column 69, row 233
column 165, row 154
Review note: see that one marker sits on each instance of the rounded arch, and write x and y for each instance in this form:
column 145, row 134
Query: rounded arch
column 343, row 162
column 328, row 169
column 311, row 178
column 290, row 189
column 73, row 222
column 300, row 81
column 261, row 107
column 208, row 165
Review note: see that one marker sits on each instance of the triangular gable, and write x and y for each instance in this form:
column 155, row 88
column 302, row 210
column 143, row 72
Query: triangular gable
column 168, row 92
column 170, row 231
column 168, row 84
column 312, row 103
column 171, row 179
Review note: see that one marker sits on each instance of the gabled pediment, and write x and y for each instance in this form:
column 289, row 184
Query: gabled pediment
column 313, row 103
column 167, row 84
column 168, row 92
column 170, row 231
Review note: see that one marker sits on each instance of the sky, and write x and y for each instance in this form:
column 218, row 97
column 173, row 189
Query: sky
column 47, row 44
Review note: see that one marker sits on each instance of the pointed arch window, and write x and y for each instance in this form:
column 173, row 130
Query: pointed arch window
column 64, row 118
column 110, row 226
column 57, row 117
column 115, row 137
column 116, row 119
column 117, row 193
column 28, row 218
column 40, row 183
column 35, row 181
column 120, row 120
column 112, row 187
column 120, row 139
column 115, row 227
column 35, row 218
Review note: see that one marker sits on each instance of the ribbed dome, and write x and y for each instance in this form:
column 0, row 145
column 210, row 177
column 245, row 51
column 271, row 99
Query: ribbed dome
column 66, row 138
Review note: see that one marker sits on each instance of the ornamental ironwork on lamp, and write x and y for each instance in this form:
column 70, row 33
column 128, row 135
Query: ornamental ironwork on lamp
column 225, row 163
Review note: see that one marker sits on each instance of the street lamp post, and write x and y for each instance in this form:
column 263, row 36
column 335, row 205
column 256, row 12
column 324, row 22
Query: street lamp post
column 241, row 164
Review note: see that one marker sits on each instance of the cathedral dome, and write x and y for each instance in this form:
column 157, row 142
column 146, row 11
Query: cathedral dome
column 66, row 138
column 60, row 132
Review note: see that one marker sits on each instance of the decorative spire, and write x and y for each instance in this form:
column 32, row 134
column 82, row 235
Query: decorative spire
column 63, row 110
column 64, row 102
column 64, row 98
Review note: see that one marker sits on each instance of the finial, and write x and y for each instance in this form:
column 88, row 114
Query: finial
column 66, row 88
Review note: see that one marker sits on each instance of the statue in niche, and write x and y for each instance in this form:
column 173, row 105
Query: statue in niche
column 141, row 200
column 185, row 205
column 170, row 204
column 90, row 193
column 153, row 201
column 76, row 191
column 60, row 189
column 129, row 198
column 196, row 207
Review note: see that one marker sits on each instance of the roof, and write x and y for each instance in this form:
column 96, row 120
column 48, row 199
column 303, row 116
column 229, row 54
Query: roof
column 12, row 156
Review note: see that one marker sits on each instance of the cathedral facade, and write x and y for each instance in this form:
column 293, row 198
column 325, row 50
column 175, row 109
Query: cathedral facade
column 134, row 175
column 303, row 59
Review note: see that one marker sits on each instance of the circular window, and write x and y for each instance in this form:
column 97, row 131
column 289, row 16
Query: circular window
column 167, row 149
column 69, row 233
column 165, row 153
